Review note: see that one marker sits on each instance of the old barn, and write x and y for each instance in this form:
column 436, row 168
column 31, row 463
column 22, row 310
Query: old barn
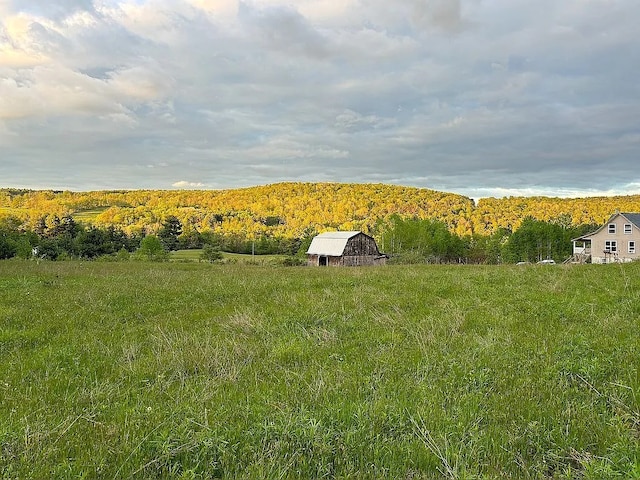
column 344, row 249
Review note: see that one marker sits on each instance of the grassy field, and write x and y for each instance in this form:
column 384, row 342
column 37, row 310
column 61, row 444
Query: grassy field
column 10, row 211
column 88, row 216
column 189, row 370
column 193, row 255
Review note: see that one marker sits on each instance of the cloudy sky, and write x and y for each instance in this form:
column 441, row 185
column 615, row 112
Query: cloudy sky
column 479, row 97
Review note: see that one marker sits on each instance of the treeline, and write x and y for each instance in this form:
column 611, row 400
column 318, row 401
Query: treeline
column 405, row 240
column 64, row 238
column 430, row 241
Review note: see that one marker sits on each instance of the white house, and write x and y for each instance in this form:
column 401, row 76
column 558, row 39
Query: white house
column 618, row 240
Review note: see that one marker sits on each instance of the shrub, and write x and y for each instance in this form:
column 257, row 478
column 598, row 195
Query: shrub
column 211, row 253
column 151, row 249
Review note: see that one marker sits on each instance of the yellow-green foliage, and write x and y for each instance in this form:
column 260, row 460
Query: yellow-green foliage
column 291, row 209
column 492, row 213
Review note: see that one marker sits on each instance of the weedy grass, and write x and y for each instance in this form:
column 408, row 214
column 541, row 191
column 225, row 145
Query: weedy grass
column 191, row 255
column 188, row 370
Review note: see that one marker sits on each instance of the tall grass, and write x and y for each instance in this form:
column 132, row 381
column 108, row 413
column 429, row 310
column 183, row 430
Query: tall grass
column 186, row 370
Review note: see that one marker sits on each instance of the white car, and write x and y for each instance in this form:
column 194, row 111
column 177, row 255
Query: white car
column 547, row 262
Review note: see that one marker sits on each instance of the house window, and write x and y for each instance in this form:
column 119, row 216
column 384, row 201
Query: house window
column 611, row 246
column 612, row 228
column 632, row 247
column 627, row 228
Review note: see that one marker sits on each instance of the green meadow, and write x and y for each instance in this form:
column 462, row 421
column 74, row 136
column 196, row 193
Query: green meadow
column 88, row 216
column 192, row 370
column 194, row 255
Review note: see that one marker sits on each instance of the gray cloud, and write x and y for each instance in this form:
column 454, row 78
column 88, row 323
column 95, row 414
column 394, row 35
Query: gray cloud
column 445, row 14
column 56, row 9
column 282, row 28
column 469, row 96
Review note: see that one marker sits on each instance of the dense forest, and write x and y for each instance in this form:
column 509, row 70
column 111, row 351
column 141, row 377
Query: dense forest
column 410, row 223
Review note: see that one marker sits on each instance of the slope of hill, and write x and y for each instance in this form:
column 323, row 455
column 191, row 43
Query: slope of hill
column 284, row 209
column 292, row 209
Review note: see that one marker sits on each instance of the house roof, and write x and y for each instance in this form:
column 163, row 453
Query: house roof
column 633, row 218
column 330, row 243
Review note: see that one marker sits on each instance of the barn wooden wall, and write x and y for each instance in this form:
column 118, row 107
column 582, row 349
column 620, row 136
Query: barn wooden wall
column 360, row 245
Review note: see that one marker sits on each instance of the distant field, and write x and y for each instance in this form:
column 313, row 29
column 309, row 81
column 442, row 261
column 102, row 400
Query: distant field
column 194, row 256
column 186, row 255
column 88, row 216
column 85, row 216
column 9, row 211
column 193, row 370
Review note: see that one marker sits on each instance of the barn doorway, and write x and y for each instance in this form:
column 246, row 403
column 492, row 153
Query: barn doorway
column 323, row 261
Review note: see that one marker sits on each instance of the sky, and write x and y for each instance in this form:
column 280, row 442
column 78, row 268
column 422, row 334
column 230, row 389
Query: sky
column 477, row 97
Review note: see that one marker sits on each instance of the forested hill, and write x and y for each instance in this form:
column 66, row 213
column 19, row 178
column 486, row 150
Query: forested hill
column 295, row 209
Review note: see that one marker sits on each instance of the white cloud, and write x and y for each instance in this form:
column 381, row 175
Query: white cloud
column 185, row 184
column 226, row 8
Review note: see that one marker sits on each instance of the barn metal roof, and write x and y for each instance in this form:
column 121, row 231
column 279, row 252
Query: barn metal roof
column 330, row 243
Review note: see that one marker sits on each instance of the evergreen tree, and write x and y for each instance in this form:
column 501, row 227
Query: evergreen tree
column 211, row 253
column 8, row 246
column 169, row 233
